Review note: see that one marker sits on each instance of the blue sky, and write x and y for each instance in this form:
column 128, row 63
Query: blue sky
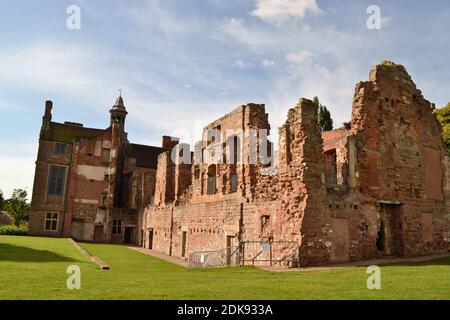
column 183, row 63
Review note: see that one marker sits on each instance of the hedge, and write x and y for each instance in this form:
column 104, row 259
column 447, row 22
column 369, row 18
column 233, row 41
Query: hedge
column 13, row 230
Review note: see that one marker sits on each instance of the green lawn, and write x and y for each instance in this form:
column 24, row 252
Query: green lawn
column 35, row 268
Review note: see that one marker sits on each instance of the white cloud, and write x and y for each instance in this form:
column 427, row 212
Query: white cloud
column 153, row 14
column 277, row 11
column 243, row 65
column 237, row 29
column 299, row 57
column 266, row 63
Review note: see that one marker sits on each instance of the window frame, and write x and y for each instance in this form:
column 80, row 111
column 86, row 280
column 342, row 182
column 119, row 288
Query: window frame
column 57, row 143
column 52, row 219
column 117, row 224
column 63, row 191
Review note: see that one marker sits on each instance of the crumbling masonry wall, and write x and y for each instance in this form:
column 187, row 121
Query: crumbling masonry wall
column 378, row 186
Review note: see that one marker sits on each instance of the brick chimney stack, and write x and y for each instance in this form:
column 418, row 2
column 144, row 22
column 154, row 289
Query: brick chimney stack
column 47, row 118
column 169, row 142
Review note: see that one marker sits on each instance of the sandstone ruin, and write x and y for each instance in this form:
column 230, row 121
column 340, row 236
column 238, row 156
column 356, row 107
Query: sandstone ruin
column 377, row 187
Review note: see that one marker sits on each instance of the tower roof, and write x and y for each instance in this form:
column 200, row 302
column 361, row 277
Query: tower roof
column 119, row 105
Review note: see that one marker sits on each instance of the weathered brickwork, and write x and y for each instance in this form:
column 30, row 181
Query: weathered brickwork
column 378, row 186
column 104, row 185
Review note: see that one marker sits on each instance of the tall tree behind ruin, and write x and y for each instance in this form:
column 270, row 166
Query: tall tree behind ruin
column 324, row 116
column 443, row 116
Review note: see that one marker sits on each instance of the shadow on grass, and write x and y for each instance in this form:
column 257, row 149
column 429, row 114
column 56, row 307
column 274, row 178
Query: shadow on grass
column 14, row 253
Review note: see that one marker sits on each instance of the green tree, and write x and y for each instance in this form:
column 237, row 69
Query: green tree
column 443, row 115
column 17, row 206
column 2, row 200
column 323, row 116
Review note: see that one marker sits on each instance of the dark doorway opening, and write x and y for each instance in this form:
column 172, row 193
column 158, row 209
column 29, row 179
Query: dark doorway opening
column 230, row 243
column 183, row 244
column 381, row 237
column 98, row 233
column 390, row 234
column 150, row 239
column 129, row 235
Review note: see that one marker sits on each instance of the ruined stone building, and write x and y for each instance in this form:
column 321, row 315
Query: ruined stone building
column 90, row 184
column 379, row 186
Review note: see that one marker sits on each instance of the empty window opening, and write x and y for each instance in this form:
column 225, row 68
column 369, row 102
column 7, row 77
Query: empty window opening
column 106, row 155
column 330, row 167
column 196, row 173
column 234, row 183
column 233, row 150
column 212, row 173
column 213, row 135
column 265, row 220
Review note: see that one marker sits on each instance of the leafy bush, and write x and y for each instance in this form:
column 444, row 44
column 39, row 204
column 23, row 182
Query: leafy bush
column 13, row 231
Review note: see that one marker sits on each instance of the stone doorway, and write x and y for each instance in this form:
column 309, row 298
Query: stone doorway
column 183, row 244
column 390, row 233
column 98, row 233
column 129, row 235
column 229, row 249
column 150, row 239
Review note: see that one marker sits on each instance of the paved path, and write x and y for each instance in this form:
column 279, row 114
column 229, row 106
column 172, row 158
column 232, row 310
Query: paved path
column 175, row 260
column 383, row 261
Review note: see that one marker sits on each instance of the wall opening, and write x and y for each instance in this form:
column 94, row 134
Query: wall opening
column 98, row 233
column 129, row 235
column 381, row 237
column 230, row 244
column 330, row 167
column 212, row 177
column 150, row 239
column 183, row 244
column 390, row 234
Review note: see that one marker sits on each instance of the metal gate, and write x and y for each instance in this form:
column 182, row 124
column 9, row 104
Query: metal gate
column 270, row 253
column 228, row 257
column 260, row 253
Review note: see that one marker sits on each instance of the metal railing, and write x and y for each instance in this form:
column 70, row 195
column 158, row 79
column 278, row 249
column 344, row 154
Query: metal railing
column 261, row 253
column 270, row 253
column 211, row 259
